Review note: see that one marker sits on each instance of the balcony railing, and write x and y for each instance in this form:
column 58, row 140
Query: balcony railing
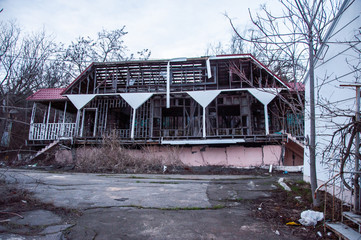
column 51, row 131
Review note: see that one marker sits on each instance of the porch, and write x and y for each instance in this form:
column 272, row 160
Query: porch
column 228, row 115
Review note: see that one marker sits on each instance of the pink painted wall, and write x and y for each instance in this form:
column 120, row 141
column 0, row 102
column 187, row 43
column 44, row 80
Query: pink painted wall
column 237, row 156
column 241, row 156
column 272, row 154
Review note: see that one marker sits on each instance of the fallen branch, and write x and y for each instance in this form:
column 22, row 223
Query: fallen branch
column 12, row 213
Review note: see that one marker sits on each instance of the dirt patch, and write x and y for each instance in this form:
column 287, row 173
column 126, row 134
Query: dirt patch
column 284, row 207
column 15, row 201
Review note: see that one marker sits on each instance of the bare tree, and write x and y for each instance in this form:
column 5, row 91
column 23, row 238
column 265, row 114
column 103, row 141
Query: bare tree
column 295, row 36
column 108, row 46
column 23, row 61
column 78, row 55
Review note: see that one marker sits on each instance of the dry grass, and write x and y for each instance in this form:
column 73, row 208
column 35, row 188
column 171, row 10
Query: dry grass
column 115, row 158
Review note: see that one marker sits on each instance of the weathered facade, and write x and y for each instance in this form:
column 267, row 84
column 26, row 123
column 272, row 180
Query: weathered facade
column 208, row 102
column 337, row 80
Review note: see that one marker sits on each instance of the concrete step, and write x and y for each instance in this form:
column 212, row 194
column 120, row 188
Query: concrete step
column 46, row 148
column 343, row 231
column 352, row 217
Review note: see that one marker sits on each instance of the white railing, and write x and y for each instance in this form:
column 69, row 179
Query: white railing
column 51, row 131
column 120, row 133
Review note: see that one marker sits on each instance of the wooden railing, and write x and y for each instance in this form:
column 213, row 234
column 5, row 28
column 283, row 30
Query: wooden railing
column 51, row 131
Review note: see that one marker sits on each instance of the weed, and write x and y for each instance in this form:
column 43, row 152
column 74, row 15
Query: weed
column 114, row 158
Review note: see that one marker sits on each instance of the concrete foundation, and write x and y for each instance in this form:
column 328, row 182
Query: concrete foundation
column 230, row 156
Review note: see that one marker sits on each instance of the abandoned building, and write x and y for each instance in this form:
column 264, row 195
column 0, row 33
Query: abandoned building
column 222, row 110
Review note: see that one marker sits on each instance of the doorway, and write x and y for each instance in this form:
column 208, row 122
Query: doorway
column 89, row 122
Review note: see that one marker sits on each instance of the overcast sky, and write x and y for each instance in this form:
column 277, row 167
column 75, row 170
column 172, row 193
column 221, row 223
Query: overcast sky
column 169, row 28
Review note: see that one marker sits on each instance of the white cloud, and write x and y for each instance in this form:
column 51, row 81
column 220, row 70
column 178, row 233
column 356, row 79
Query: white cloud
column 177, row 28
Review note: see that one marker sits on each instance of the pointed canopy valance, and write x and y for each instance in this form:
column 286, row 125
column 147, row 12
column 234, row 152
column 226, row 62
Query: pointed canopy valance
column 204, row 98
column 80, row 100
column 265, row 96
column 135, row 100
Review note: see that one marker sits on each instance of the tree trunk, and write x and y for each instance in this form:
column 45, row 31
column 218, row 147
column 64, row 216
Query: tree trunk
column 312, row 144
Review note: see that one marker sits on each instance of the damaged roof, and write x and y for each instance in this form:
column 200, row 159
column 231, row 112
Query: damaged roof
column 47, row 94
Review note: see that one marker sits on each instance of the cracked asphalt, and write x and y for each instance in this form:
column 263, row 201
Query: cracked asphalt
column 141, row 206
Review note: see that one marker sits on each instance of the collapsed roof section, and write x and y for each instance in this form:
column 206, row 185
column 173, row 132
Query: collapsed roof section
column 175, row 75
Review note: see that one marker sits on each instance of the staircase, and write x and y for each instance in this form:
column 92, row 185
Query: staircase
column 344, row 231
column 43, row 150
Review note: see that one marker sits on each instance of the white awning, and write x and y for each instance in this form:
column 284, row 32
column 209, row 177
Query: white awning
column 265, row 96
column 204, row 98
column 135, row 100
column 80, row 100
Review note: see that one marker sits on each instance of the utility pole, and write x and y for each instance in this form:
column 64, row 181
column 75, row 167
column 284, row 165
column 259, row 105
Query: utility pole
column 357, row 148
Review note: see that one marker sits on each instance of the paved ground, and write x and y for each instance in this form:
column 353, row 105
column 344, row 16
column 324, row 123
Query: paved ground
column 118, row 206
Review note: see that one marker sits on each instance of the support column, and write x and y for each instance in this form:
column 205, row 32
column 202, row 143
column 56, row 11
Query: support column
column 65, row 107
column 168, row 86
column 82, row 124
column 33, row 112
column 31, row 129
column 133, row 124
column 47, row 122
column 64, row 117
column 77, row 123
column 204, row 122
column 266, row 123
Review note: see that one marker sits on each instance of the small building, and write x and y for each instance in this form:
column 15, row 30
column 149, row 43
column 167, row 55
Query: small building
column 220, row 110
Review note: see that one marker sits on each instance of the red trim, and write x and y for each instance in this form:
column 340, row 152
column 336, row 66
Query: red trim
column 261, row 64
column 278, row 78
column 234, row 55
column 297, row 87
column 47, row 94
